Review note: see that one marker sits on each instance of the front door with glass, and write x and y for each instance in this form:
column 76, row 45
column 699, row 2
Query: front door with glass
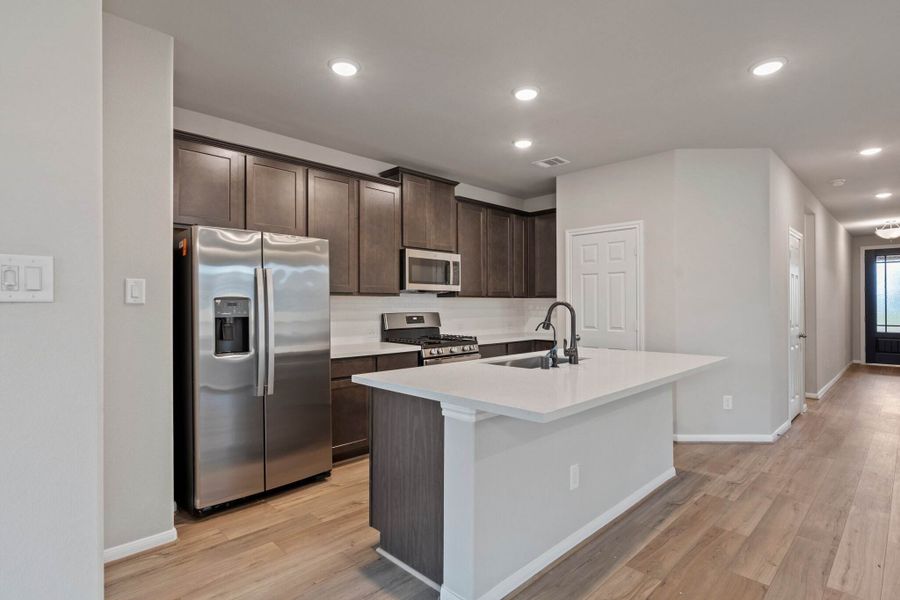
column 883, row 306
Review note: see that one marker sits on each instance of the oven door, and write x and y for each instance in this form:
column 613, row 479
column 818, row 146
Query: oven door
column 425, row 271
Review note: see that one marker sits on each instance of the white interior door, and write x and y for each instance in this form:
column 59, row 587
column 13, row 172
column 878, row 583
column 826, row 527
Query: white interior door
column 795, row 326
column 603, row 287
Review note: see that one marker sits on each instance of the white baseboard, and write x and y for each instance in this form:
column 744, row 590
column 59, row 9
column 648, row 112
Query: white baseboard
column 411, row 571
column 812, row 396
column 448, row 594
column 733, row 438
column 856, row 361
column 146, row 543
column 818, row 395
column 537, row 565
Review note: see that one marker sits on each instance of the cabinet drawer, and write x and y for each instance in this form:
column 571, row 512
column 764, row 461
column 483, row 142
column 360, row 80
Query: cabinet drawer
column 541, row 345
column 491, row 350
column 349, row 419
column 520, row 347
column 345, row 367
column 389, row 362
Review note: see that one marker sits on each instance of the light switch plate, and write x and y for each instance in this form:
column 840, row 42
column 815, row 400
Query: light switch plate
column 26, row 278
column 135, row 291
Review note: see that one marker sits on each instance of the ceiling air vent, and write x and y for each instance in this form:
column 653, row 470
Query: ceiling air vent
column 553, row 161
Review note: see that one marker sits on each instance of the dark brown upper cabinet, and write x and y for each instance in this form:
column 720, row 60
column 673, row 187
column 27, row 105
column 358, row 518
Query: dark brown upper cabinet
column 471, row 231
column 541, row 245
column 379, row 238
column 209, row 185
column 334, row 216
column 276, row 196
column 499, row 253
column 429, row 210
column 519, row 256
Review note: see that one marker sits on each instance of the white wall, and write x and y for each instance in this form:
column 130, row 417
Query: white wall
column 50, row 354
column 540, row 203
column 856, row 290
column 716, row 255
column 137, row 224
column 238, row 133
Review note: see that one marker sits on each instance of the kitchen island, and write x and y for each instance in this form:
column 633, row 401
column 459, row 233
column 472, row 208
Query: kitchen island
column 483, row 474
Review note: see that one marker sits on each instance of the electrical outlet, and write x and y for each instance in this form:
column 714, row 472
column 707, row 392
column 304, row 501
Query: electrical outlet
column 574, row 476
column 727, row 402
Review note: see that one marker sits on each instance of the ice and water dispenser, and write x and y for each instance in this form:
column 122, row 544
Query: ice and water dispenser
column 232, row 325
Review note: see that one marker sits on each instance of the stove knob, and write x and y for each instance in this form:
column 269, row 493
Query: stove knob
column 454, row 350
column 467, row 348
column 432, row 351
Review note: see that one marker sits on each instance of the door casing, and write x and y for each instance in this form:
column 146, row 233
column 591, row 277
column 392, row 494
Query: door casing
column 862, row 297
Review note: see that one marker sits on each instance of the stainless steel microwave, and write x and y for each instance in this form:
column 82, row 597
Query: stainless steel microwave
column 427, row 271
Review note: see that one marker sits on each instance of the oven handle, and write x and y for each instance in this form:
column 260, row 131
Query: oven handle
column 450, row 359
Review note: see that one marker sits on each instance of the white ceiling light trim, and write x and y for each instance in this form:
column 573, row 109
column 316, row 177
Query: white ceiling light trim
column 770, row 66
column 522, row 144
column 344, row 67
column 883, row 195
column 890, row 230
column 875, row 150
column 526, row 93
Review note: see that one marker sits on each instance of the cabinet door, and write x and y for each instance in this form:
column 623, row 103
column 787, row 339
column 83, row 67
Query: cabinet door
column 499, row 253
column 379, row 238
column 542, row 254
column 416, row 191
column 520, row 347
column 492, row 350
column 276, row 196
column 519, row 258
column 349, row 419
column 441, row 217
column 471, row 242
column 209, row 185
column 334, row 216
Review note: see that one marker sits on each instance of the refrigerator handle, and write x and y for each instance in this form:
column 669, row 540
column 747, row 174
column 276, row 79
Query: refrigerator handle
column 261, row 338
column 270, row 333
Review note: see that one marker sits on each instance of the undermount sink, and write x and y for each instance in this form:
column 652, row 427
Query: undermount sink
column 529, row 362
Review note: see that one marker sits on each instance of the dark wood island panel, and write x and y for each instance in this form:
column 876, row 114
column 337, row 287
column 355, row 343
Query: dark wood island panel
column 407, row 480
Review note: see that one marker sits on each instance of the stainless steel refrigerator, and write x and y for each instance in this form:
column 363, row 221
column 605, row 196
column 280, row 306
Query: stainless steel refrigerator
column 252, row 346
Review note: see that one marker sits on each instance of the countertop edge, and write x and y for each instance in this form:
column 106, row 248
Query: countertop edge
column 527, row 415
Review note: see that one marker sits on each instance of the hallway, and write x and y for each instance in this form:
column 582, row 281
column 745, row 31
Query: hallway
column 815, row 515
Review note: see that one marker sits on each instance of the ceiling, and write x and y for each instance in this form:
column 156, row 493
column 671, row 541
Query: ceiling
column 619, row 79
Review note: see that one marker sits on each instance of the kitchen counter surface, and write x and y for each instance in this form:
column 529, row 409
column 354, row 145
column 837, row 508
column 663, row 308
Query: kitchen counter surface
column 539, row 395
column 519, row 336
column 370, row 349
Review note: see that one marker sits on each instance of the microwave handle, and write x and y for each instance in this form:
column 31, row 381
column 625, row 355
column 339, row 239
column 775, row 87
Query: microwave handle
column 454, row 272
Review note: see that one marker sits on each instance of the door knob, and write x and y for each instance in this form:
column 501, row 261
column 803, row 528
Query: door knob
column 802, row 336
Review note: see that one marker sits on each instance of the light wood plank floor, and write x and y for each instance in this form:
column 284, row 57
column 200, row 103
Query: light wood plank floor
column 815, row 515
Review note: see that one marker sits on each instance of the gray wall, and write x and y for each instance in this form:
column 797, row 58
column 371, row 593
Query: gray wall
column 137, row 223
column 857, row 242
column 50, row 354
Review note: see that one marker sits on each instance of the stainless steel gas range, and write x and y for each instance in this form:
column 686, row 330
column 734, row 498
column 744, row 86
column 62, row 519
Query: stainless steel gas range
column 424, row 329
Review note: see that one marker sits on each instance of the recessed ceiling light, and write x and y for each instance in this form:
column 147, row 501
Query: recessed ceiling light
column 344, row 67
column 838, row 182
column 526, row 94
column 883, row 195
column 870, row 151
column 768, row 67
column 522, row 144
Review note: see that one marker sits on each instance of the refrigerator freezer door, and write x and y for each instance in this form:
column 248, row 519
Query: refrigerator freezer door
column 298, row 412
column 229, row 442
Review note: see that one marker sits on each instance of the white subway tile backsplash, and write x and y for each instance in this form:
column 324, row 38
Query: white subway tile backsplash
column 356, row 319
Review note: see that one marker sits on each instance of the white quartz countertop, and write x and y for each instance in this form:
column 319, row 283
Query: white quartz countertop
column 541, row 395
column 370, row 349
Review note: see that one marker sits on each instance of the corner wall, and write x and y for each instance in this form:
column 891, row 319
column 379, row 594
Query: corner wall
column 51, row 353
column 137, row 215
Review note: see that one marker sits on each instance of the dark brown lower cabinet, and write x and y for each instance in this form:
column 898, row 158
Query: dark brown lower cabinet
column 349, row 419
column 520, row 347
column 492, row 350
column 350, row 403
